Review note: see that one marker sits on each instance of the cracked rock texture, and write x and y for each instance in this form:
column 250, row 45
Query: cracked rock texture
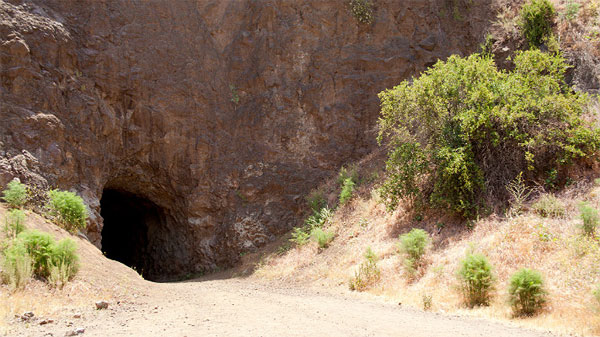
column 224, row 113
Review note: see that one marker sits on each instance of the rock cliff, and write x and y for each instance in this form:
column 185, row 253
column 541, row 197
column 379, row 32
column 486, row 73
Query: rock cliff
column 220, row 114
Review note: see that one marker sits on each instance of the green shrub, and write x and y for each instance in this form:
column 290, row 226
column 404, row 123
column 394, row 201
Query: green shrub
column 45, row 253
column 15, row 193
column 347, row 172
column 413, row 244
column 362, row 10
column 68, row 208
column 14, row 223
column 368, row 272
column 464, row 129
column 536, row 21
column 39, row 246
column 17, row 267
column 590, row 218
column 64, row 256
column 526, row 292
column 347, row 189
column 476, row 279
column 301, row 235
column 322, row 237
column 65, row 263
column 549, row 206
column 316, row 201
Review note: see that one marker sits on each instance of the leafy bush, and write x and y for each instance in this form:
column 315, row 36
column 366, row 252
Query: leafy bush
column 302, row 235
column 464, row 129
column 322, row 237
column 590, row 218
column 476, row 279
column 68, row 208
column 65, row 263
column 536, row 21
column 64, row 256
column 14, row 223
column 45, row 253
column 347, row 189
column 17, row 267
column 413, row 244
column 526, row 292
column 362, row 10
column 39, row 246
column 15, row 193
column 549, row 206
column 368, row 273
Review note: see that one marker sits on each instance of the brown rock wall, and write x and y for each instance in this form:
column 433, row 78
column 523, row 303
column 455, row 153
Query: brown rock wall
column 222, row 112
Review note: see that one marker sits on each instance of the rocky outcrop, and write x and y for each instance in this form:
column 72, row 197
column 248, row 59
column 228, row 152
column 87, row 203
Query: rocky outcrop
column 223, row 113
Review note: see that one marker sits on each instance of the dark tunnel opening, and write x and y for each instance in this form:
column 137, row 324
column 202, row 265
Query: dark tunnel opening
column 129, row 223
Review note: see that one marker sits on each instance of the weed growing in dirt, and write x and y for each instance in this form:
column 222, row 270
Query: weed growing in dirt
column 323, row 238
column 526, row 292
column 413, row 245
column 14, row 223
column 302, row 235
column 347, row 190
column 427, row 302
column 536, row 21
column 68, row 208
column 316, row 201
column 15, row 193
column 17, row 267
column 590, row 218
column 519, row 193
column 368, row 272
column 477, row 279
column 549, row 206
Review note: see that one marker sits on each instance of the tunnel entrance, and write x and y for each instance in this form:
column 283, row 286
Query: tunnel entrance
column 130, row 222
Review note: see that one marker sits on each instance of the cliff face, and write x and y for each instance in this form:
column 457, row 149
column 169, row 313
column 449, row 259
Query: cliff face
column 221, row 113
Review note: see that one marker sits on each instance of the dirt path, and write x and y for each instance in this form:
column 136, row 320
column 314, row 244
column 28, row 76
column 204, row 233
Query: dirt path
column 238, row 307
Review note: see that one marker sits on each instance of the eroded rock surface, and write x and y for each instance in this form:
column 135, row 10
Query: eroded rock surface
column 224, row 113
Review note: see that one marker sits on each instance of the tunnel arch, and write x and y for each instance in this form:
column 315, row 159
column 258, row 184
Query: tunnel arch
column 138, row 233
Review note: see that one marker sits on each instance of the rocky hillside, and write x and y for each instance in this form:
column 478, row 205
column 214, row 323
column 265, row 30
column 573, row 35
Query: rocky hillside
column 219, row 115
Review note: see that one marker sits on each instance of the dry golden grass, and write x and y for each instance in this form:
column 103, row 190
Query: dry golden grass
column 555, row 247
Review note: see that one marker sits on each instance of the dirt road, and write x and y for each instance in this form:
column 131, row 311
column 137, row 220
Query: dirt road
column 238, row 307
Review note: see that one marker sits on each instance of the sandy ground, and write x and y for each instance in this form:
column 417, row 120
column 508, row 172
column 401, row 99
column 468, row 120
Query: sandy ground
column 244, row 307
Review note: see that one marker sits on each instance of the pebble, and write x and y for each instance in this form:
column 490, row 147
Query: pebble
column 77, row 315
column 46, row 321
column 101, row 305
column 75, row 332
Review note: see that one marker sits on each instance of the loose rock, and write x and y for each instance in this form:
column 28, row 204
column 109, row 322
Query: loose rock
column 101, row 305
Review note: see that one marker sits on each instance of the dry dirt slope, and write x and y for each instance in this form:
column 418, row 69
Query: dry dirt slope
column 214, row 307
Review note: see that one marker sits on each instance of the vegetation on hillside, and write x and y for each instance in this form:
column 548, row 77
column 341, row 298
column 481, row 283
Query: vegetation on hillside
column 464, row 129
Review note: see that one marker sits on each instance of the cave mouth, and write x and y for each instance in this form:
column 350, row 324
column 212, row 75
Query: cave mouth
column 130, row 224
